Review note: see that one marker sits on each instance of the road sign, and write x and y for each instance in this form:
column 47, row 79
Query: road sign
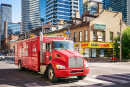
column 67, row 32
column 118, row 41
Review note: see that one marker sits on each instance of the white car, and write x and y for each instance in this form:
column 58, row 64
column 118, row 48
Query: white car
column 2, row 57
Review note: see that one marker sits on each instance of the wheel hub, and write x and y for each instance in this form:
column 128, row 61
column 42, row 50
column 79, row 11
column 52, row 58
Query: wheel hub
column 51, row 74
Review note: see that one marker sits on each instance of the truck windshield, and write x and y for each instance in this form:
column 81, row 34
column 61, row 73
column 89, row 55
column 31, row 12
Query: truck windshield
column 61, row 45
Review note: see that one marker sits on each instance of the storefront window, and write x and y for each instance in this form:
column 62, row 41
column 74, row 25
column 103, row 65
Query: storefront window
column 93, row 52
column 101, row 52
column 86, row 52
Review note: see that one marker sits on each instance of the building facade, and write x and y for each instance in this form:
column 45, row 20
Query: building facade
column 61, row 9
column 14, row 28
column 5, row 15
column 93, row 35
column 31, row 18
column 90, row 5
column 8, row 46
column 120, row 6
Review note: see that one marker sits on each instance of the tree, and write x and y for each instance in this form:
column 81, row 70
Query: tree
column 125, row 44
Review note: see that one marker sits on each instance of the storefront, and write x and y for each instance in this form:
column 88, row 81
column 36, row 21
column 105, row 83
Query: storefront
column 94, row 49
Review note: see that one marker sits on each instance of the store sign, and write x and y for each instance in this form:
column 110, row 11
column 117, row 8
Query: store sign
column 99, row 26
column 76, row 45
column 101, row 45
column 85, row 45
column 93, row 45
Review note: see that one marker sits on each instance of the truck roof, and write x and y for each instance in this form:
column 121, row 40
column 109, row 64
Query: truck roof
column 46, row 39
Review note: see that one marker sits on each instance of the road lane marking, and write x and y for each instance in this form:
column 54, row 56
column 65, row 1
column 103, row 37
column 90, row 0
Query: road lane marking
column 112, row 79
column 120, row 77
column 96, row 80
column 31, row 84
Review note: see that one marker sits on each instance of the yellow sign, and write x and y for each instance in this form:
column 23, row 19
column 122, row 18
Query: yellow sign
column 93, row 45
column 76, row 45
column 85, row 45
column 101, row 45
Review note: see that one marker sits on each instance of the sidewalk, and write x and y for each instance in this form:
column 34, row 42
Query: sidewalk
column 105, row 60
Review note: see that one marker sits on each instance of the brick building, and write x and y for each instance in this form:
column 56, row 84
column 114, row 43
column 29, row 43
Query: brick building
column 93, row 34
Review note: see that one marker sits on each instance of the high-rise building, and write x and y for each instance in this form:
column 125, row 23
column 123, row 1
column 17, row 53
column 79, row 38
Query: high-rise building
column 14, row 28
column 90, row 5
column 120, row 6
column 31, row 18
column 54, row 10
column 5, row 15
column 42, row 10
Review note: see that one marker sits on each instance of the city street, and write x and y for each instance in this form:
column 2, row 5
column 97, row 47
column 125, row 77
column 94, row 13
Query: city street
column 102, row 74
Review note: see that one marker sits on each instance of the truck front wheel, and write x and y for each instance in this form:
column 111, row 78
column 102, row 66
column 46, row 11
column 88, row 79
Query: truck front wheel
column 81, row 77
column 51, row 75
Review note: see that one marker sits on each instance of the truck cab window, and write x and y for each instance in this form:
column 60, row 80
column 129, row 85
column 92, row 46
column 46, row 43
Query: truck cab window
column 48, row 46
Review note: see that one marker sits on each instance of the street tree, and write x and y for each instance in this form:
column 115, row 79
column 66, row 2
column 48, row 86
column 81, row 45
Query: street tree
column 125, row 44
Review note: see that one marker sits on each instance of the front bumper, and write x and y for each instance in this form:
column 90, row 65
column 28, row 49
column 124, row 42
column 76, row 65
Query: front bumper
column 71, row 72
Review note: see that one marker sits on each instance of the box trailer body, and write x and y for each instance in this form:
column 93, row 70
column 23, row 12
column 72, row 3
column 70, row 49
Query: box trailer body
column 42, row 53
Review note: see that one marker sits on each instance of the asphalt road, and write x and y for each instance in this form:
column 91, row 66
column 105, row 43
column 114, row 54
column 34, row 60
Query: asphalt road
column 102, row 74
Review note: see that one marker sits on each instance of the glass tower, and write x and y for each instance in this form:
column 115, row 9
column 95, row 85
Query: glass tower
column 120, row 6
column 54, row 10
column 90, row 5
column 5, row 15
column 14, row 28
column 31, row 18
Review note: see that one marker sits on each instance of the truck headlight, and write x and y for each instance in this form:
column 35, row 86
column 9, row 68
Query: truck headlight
column 86, row 65
column 60, row 67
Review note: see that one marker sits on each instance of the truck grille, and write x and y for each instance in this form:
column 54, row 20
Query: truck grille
column 75, row 62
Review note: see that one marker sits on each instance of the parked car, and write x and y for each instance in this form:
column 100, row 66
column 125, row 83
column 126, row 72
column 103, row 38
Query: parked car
column 2, row 57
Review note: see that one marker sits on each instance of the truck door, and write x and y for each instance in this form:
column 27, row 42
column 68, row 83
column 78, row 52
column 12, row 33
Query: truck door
column 48, row 53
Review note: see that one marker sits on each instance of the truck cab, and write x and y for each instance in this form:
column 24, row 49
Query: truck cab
column 63, row 61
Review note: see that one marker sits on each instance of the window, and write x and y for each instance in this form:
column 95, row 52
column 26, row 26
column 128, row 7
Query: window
column 86, row 36
column 70, row 35
column 84, row 19
column 75, row 37
column 80, row 36
column 73, row 21
column 94, row 35
column 111, row 36
column 103, row 35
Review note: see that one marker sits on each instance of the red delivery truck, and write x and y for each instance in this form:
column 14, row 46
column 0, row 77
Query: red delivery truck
column 53, row 56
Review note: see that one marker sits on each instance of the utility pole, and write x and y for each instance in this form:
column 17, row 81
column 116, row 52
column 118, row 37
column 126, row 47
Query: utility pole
column 42, row 29
column 120, row 39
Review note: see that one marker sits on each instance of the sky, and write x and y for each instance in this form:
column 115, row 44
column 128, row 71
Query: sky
column 16, row 9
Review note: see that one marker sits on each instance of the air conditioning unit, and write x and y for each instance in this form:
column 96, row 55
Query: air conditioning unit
column 99, row 38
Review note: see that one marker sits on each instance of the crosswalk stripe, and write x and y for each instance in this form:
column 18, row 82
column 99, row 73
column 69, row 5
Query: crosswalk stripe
column 81, row 83
column 126, row 75
column 120, row 77
column 96, row 80
column 113, row 79
column 31, row 84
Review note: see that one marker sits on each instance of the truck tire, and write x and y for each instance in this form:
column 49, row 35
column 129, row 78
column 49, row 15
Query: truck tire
column 51, row 75
column 19, row 66
column 81, row 77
